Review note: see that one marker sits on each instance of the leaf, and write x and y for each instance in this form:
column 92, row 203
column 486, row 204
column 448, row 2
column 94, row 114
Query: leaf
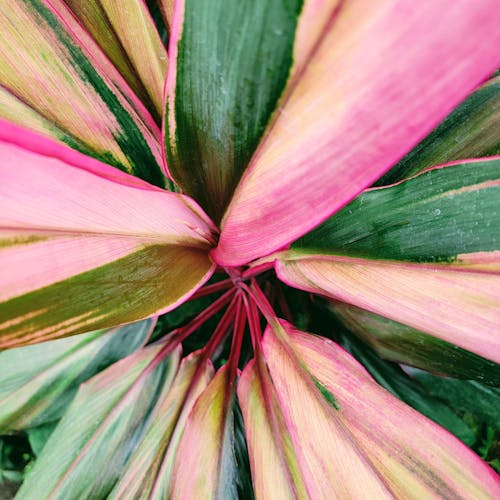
column 292, row 429
column 424, row 253
column 52, row 65
column 459, row 306
column 148, row 473
column 82, row 252
column 128, row 36
column 39, row 381
column 377, row 81
column 85, row 454
column 392, row 378
column 221, row 93
column 403, row 344
column 442, row 215
column 205, row 463
column 464, row 395
column 470, row 131
column 383, row 448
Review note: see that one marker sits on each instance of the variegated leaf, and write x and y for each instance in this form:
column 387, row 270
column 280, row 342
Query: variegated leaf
column 88, row 449
column 71, row 91
column 81, row 251
column 38, row 382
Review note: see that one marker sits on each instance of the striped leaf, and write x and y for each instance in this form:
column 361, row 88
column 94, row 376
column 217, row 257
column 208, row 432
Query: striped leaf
column 394, row 379
column 38, row 382
column 53, row 66
column 403, row 344
column 167, row 10
column 148, row 473
column 221, row 93
column 82, row 252
column 375, row 82
column 326, row 401
column 205, row 464
column 470, row 131
column 128, row 36
column 424, row 252
column 85, row 454
column 449, row 214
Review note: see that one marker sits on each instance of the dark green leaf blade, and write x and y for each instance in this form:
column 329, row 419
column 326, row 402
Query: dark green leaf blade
column 232, row 62
column 433, row 217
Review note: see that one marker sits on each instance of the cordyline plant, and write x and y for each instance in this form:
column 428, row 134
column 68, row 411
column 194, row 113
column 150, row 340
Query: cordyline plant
column 280, row 146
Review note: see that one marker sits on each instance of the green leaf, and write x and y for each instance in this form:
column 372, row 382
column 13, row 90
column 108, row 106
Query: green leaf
column 400, row 343
column 233, row 60
column 38, row 382
column 464, row 395
column 436, row 216
column 470, row 131
column 38, row 436
column 85, row 455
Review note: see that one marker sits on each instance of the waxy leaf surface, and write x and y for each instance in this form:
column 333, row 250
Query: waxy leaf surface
column 415, row 457
column 50, row 63
column 293, row 457
column 448, row 214
column 317, row 398
column 91, row 444
column 454, row 303
column 369, row 93
column 81, row 252
column 229, row 61
column 38, row 382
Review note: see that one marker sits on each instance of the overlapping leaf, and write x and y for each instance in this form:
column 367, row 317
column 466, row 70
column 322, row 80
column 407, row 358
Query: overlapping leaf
column 128, row 36
column 365, row 96
column 403, row 344
column 85, row 252
column 38, row 382
column 52, row 65
column 316, row 399
column 91, row 444
column 205, row 464
column 424, row 253
column 472, row 130
column 148, row 473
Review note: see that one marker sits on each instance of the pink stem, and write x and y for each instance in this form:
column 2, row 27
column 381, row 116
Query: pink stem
column 261, row 301
column 258, row 269
column 222, row 328
column 215, row 287
column 253, row 323
column 238, row 332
